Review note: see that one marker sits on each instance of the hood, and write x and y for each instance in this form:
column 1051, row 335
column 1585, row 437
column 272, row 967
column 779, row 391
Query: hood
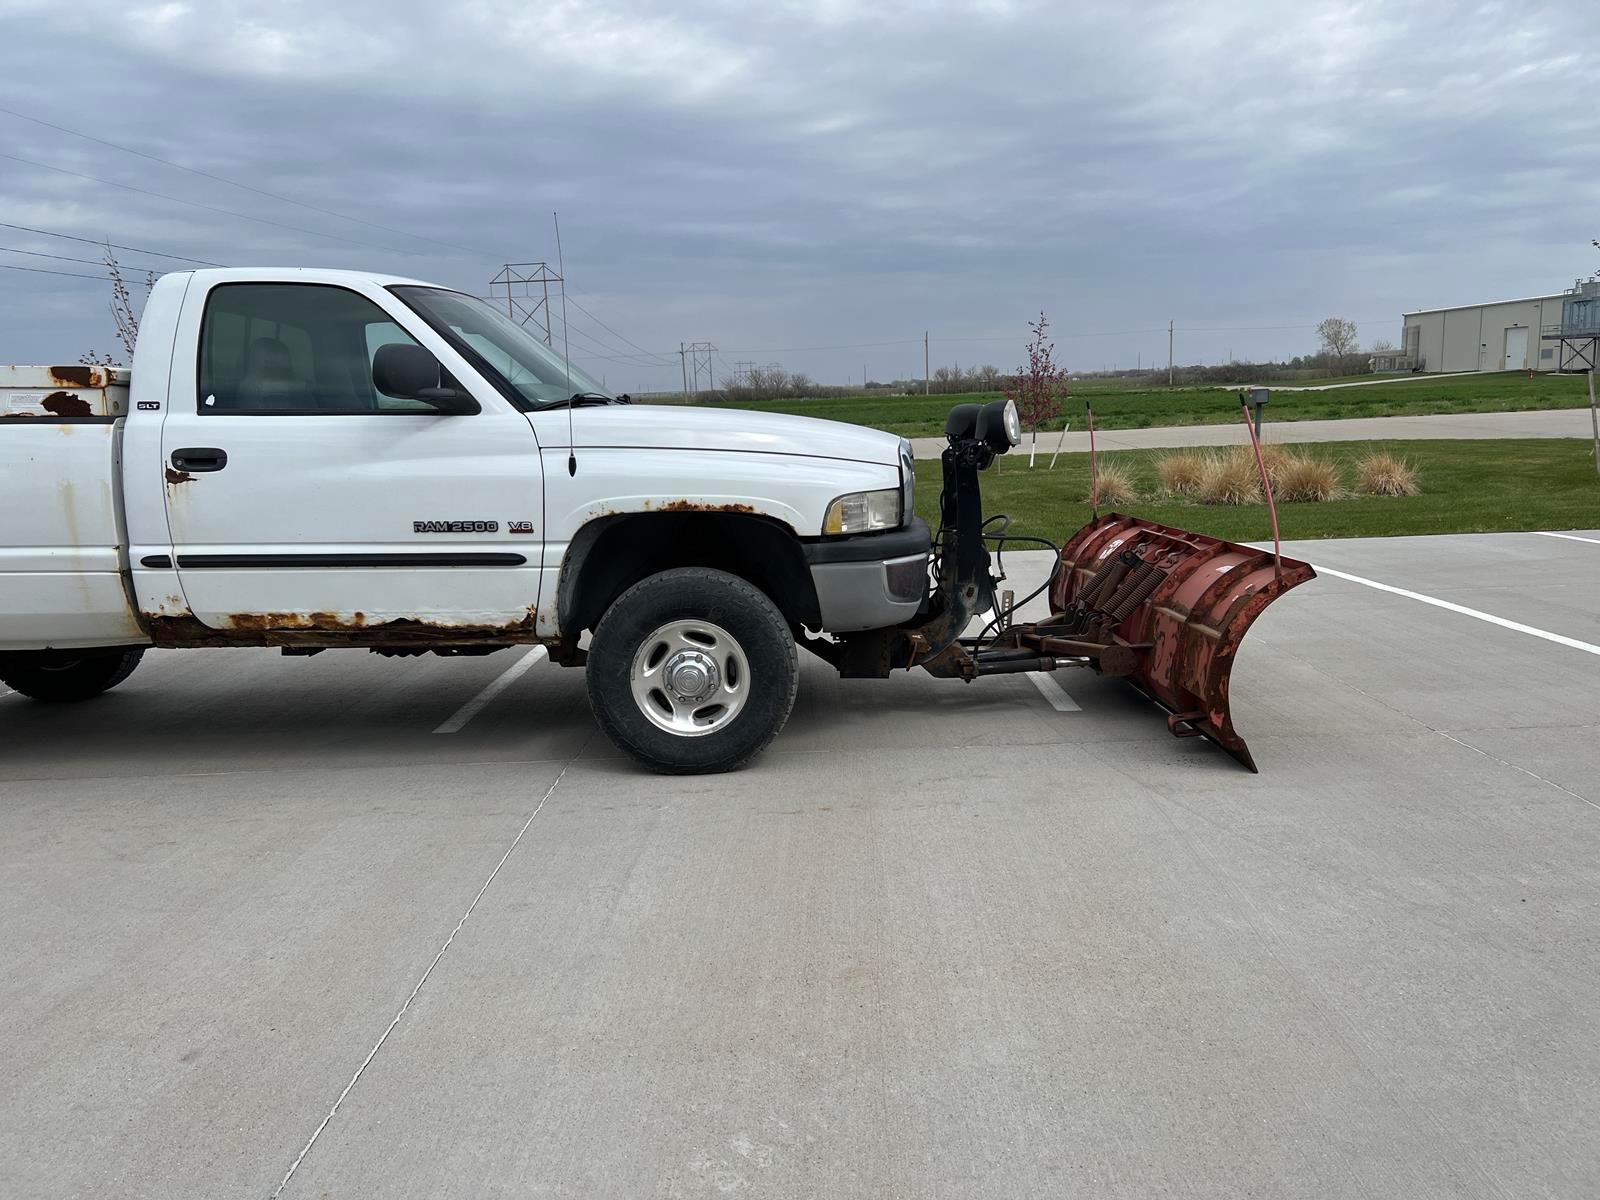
column 680, row 427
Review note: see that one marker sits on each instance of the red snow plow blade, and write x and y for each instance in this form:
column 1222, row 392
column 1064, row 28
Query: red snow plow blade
column 1169, row 608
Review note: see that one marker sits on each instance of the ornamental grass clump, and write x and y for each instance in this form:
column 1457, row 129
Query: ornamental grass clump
column 1385, row 474
column 1304, row 477
column 1181, row 473
column 1116, row 486
column 1230, row 479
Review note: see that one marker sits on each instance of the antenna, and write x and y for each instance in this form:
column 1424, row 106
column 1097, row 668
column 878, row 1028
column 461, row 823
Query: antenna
column 566, row 353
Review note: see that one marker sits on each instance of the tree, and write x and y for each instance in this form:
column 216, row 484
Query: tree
column 1038, row 388
column 122, row 313
column 1338, row 338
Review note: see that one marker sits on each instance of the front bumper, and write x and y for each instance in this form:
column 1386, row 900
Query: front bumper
column 872, row 580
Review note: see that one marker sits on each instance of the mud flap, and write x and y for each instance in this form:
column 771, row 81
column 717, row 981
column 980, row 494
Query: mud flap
column 1180, row 602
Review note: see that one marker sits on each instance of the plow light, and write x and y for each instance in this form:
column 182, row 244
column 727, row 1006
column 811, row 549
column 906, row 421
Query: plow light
column 995, row 424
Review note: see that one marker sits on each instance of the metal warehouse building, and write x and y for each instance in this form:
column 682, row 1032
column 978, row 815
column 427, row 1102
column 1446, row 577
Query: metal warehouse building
column 1557, row 332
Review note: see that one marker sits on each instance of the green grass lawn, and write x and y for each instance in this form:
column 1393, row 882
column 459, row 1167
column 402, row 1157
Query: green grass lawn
column 1467, row 487
column 1120, row 407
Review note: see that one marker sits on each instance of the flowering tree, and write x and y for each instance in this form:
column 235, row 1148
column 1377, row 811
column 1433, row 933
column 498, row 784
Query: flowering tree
column 1041, row 386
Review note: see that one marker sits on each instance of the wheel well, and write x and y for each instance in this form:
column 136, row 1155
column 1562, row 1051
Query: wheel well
column 611, row 554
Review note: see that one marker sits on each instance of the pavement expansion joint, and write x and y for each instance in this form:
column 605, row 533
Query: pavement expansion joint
column 415, row 991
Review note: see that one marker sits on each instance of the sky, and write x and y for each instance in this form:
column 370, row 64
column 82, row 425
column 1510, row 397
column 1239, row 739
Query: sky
column 817, row 184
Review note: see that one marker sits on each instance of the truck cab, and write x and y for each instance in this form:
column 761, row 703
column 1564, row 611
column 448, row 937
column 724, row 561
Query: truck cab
column 326, row 459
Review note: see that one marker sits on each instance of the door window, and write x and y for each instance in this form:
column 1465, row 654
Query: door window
column 295, row 348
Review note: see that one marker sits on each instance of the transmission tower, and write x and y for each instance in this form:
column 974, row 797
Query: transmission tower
column 699, row 357
column 515, row 284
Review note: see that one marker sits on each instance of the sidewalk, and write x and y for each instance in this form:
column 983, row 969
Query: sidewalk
column 1544, row 423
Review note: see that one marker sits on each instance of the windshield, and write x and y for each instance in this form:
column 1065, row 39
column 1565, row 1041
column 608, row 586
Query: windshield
column 511, row 350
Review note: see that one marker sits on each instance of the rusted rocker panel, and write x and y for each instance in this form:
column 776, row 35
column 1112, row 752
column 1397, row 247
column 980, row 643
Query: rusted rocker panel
column 1181, row 601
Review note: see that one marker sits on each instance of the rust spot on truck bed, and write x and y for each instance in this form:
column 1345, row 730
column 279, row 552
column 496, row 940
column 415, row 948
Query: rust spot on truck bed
column 76, row 376
column 65, row 404
column 176, row 476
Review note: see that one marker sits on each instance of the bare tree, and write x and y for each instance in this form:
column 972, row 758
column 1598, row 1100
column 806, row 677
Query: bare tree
column 1339, row 339
column 123, row 315
column 1039, row 387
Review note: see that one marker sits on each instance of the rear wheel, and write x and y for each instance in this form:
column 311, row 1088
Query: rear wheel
column 692, row 671
column 67, row 675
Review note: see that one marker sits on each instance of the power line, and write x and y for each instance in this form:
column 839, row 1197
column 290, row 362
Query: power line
column 617, row 351
column 614, row 333
column 72, row 237
column 227, row 212
column 93, row 262
column 596, row 350
column 47, row 271
column 601, row 352
column 167, row 162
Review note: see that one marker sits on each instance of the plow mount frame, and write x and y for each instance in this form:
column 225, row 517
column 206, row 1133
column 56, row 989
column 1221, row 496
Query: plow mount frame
column 1161, row 607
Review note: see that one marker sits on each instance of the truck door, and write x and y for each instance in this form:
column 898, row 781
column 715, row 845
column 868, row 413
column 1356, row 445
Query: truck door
column 298, row 495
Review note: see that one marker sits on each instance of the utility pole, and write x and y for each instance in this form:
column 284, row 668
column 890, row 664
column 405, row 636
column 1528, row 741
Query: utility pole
column 1594, row 417
column 518, row 279
column 926, row 375
column 683, row 362
column 1169, row 353
column 700, row 360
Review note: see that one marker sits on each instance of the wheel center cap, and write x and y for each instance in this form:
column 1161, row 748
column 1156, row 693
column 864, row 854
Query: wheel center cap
column 691, row 675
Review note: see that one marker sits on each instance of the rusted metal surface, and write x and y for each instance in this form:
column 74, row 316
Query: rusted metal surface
column 327, row 629
column 176, row 476
column 79, row 376
column 1180, row 602
column 62, row 392
column 686, row 506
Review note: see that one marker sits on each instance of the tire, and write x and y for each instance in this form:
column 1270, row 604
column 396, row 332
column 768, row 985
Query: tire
column 682, row 628
column 66, row 676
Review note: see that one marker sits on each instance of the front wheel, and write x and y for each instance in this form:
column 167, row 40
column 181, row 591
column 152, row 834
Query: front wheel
column 692, row 671
column 67, row 675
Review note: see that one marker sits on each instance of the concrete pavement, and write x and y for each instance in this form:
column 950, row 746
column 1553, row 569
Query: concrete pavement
column 1541, row 423
column 943, row 940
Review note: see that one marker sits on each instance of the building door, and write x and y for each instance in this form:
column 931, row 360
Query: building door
column 1516, row 349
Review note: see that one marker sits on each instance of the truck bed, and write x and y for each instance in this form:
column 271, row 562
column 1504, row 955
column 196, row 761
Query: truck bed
column 63, row 545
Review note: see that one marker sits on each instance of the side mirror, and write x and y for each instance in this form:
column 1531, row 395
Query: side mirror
column 412, row 373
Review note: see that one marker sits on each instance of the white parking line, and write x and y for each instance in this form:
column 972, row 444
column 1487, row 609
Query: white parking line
column 1571, row 537
column 499, row 684
column 1560, row 640
column 1053, row 692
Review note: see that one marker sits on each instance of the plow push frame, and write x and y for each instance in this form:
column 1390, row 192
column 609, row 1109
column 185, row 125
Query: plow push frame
column 1164, row 608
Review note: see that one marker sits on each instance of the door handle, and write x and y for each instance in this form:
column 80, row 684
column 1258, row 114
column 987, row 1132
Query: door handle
column 199, row 458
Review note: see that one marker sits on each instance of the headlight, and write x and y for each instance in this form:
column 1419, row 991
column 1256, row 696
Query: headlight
column 863, row 512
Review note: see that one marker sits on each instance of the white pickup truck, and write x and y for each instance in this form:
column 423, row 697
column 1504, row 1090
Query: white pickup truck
column 314, row 459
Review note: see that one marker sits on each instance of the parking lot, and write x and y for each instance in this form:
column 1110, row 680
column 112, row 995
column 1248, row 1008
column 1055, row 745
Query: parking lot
column 266, row 929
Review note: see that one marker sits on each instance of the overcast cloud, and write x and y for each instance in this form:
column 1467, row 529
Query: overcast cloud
column 771, row 176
